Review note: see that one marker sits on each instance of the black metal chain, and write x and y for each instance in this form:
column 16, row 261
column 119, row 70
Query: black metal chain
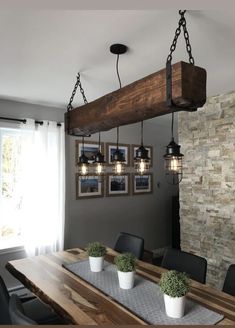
column 77, row 84
column 182, row 23
column 70, row 107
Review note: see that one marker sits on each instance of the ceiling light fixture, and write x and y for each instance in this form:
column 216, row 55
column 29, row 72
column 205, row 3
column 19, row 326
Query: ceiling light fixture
column 142, row 160
column 173, row 157
column 118, row 158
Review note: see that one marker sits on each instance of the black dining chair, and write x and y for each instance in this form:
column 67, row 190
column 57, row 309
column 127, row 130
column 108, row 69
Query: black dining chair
column 4, row 303
column 34, row 309
column 195, row 266
column 17, row 313
column 127, row 242
column 229, row 282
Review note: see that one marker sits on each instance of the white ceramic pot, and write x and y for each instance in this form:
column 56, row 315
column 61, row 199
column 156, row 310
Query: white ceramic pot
column 126, row 279
column 174, row 306
column 96, row 263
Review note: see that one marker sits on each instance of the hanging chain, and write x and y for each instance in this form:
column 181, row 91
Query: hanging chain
column 77, row 84
column 70, row 107
column 182, row 23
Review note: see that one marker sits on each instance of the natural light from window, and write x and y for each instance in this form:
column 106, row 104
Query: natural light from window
column 10, row 196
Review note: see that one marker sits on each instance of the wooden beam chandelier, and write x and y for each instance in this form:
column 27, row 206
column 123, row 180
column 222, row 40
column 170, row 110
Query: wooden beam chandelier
column 177, row 87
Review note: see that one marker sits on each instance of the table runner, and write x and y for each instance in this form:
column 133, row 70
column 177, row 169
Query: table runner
column 145, row 299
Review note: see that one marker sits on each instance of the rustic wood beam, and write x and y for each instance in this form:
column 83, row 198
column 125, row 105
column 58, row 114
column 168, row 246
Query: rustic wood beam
column 141, row 100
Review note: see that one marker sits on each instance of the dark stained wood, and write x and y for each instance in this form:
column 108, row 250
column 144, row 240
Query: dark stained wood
column 80, row 303
column 141, row 100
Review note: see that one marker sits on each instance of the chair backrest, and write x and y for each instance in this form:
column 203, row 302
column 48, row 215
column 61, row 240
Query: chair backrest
column 127, row 242
column 229, row 282
column 195, row 266
column 17, row 313
column 4, row 303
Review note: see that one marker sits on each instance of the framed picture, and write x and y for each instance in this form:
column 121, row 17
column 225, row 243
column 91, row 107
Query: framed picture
column 89, row 186
column 142, row 184
column 111, row 148
column 150, row 153
column 118, row 185
column 90, row 149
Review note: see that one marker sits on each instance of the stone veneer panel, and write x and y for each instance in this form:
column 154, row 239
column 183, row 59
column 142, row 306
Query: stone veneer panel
column 207, row 191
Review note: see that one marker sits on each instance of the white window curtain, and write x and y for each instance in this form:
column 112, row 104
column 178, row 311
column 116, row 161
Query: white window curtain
column 43, row 187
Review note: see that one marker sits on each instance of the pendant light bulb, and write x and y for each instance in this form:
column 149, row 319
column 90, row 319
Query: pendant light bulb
column 118, row 162
column 119, row 168
column 142, row 167
column 84, row 169
column 174, row 164
column 83, row 164
column 141, row 160
column 99, row 161
column 99, row 169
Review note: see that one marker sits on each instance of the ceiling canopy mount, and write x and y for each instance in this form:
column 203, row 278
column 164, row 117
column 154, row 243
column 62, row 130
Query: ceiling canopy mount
column 118, row 49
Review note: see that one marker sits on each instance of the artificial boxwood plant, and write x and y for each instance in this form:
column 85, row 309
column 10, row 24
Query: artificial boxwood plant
column 96, row 249
column 125, row 262
column 174, row 283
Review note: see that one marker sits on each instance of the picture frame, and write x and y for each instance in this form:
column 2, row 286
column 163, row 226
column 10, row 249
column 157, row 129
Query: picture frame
column 117, row 185
column 142, row 184
column 150, row 153
column 90, row 186
column 90, row 149
column 110, row 149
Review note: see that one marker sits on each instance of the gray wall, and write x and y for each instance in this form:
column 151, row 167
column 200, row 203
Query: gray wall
column 23, row 110
column 16, row 109
column 102, row 218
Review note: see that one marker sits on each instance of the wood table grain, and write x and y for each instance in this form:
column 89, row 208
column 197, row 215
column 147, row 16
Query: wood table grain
column 80, row 303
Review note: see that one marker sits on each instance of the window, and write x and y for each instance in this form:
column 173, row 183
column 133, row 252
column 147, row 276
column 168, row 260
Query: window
column 10, row 195
column 32, row 187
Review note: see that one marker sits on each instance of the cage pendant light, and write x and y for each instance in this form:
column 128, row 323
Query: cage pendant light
column 83, row 164
column 173, row 157
column 99, row 161
column 118, row 159
column 142, row 160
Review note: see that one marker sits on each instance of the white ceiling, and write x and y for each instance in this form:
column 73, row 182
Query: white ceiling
column 41, row 51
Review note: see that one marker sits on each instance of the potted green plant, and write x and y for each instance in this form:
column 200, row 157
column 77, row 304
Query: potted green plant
column 126, row 264
column 96, row 252
column 174, row 285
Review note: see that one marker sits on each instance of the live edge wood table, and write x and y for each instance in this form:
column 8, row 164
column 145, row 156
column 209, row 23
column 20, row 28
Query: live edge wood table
column 80, row 303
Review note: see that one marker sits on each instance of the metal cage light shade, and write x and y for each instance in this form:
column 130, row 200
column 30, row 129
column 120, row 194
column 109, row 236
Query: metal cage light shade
column 141, row 160
column 99, row 161
column 173, row 163
column 99, row 164
column 83, row 164
column 119, row 162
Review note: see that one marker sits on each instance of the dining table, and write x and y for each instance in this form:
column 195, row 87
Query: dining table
column 80, row 302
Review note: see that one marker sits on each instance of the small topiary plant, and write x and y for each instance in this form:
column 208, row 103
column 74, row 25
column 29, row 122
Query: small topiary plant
column 174, row 283
column 125, row 262
column 96, row 249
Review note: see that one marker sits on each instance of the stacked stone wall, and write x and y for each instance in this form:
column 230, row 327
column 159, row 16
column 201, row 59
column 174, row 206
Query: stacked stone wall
column 207, row 191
